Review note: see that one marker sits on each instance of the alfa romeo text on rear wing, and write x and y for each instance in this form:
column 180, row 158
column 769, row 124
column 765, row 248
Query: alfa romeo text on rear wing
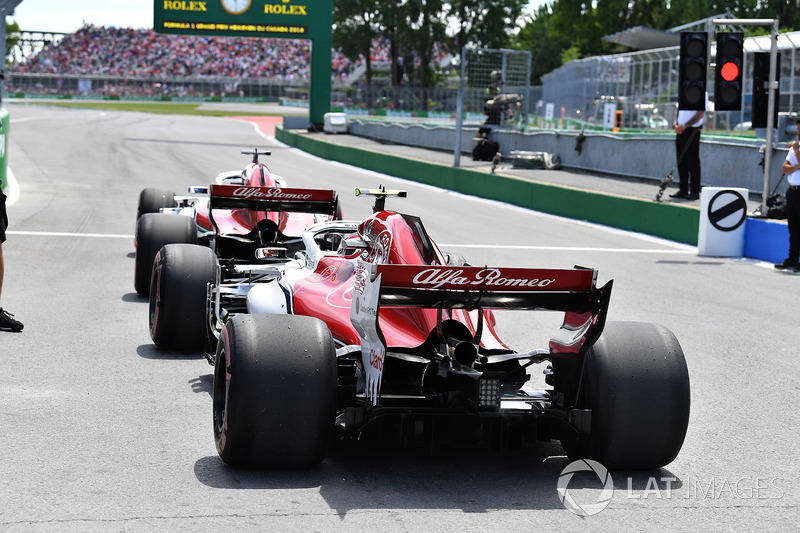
column 471, row 287
column 321, row 201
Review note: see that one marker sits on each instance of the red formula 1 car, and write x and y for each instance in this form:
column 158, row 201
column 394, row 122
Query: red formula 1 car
column 232, row 232
column 370, row 323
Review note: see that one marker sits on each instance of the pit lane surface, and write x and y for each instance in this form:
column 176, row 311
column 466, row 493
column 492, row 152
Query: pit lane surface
column 104, row 432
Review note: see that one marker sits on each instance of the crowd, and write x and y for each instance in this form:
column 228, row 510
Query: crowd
column 94, row 50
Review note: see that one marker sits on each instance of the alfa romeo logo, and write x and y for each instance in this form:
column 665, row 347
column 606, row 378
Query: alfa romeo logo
column 591, row 508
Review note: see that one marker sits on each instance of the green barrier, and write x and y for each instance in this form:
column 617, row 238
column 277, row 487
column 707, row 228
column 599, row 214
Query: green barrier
column 4, row 123
column 669, row 221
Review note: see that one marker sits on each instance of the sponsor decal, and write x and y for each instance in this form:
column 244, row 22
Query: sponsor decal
column 491, row 278
column 183, row 5
column 380, row 245
column 341, row 297
column 285, row 9
column 364, row 317
column 260, row 193
column 327, row 273
column 469, row 278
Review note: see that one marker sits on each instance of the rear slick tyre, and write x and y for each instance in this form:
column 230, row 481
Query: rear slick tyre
column 152, row 200
column 274, row 393
column 153, row 231
column 180, row 278
column 637, row 386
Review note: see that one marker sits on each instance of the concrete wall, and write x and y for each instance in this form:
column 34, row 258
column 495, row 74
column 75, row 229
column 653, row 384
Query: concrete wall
column 725, row 163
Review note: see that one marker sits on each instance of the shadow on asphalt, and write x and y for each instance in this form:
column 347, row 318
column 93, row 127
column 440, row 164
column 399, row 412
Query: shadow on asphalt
column 368, row 475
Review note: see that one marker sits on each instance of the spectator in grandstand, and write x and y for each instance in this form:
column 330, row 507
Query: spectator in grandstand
column 129, row 52
column 791, row 167
column 687, row 146
column 7, row 320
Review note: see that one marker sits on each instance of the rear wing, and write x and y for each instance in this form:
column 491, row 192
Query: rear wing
column 573, row 291
column 321, row 201
column 471, row 287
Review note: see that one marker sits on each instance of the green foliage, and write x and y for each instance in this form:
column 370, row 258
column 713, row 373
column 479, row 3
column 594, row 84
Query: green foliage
column 556, row 32
column 12, row 38
column 564, row 30
column 355, row 26
column 484, row 23
column 570, row 54
column 415, row 29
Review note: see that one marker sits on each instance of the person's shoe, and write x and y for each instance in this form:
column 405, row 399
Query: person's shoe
column 679, row 194
column 693, row 196
column 787, row 264
column 8, row 323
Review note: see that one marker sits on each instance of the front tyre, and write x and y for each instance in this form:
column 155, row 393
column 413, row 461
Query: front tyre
column 179, row 286
column 637, row 387
column 274, row 391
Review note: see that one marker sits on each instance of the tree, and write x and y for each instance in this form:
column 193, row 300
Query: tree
column 12, row 39
column 484, row 23
column 389, row 14
column 424, row 29
column 355, row 26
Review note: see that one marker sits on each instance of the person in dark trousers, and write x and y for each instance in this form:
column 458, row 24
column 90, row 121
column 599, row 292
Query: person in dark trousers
column 7, row 321
column 687, row 147
column 791, row 167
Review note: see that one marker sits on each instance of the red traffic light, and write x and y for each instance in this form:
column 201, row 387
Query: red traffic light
column 728, row 84
column 729, row 71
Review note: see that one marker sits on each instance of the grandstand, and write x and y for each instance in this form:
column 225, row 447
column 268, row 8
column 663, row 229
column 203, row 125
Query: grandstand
column 94, row 50
column 124, row 63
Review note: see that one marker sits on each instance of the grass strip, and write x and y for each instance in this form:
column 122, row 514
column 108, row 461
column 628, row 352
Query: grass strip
column 166, row 108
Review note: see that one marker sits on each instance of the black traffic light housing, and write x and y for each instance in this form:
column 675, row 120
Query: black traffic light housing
column 728, row 72
column 761, row 91
column 692, row 68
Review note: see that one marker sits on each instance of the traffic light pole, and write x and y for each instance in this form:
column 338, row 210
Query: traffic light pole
column 773, row 86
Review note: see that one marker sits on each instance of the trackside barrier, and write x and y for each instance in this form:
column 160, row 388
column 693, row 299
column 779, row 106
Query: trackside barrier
column 723, row 212
column 767, row 240
column 4, row 120
column 670, row 221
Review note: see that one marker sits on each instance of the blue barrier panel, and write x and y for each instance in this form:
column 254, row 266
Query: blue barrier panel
column 765, row 239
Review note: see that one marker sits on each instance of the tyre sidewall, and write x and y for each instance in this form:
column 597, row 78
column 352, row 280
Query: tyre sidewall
column 637, row 385
column 178, row 296
column 153, row 231
column 151, row 200
column 279, row 382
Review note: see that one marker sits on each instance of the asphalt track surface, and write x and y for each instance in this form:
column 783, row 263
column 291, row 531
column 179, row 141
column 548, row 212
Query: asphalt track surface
column 104, row 432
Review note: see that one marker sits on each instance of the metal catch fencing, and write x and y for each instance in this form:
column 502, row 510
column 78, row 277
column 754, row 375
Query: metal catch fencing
column 644, row 86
